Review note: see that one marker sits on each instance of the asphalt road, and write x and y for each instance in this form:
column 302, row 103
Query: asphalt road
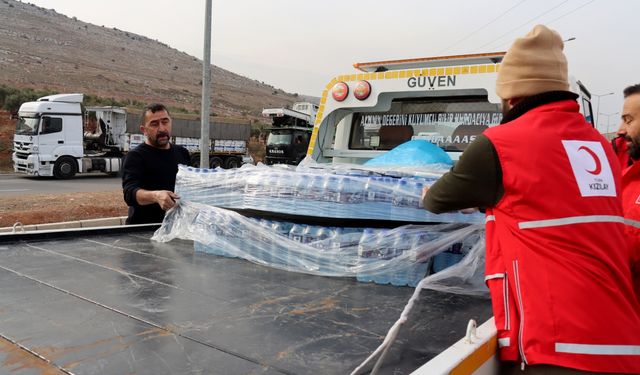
column 12, row 185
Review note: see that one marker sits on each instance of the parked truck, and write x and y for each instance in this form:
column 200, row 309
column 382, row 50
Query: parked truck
column 289, row 137
column 447, row 100
column 57, row 136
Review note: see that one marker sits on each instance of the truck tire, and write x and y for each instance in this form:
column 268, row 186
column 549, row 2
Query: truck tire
column 195, row 160
column 215, row 162
column 65, row 168
column 232, row 162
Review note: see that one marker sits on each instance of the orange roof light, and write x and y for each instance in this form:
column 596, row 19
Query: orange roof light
column 362, row 90
column 340, row 91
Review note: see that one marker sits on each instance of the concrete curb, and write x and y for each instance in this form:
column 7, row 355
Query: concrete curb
column 90, row 223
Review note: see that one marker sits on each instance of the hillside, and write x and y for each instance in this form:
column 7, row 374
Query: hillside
column 42, row 49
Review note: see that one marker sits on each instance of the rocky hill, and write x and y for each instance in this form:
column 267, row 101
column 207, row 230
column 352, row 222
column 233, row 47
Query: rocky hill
column 42, row 49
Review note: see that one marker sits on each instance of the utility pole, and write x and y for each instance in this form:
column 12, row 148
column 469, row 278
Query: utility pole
column 609, row 117
column 205, row 144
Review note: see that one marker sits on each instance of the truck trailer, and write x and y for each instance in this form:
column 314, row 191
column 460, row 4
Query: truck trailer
column 57, row 136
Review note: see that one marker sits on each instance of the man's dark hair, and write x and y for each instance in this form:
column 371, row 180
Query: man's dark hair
column 631, row 90
column 153, row 108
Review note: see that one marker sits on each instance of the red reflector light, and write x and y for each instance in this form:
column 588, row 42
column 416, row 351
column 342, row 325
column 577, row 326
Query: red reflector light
column 340, row 91
column 362, row 90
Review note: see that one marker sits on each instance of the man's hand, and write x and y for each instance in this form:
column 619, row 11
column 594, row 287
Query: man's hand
column 424, row 192
column 166, row 199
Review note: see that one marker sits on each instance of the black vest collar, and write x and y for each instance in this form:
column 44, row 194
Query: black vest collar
column 531, row 102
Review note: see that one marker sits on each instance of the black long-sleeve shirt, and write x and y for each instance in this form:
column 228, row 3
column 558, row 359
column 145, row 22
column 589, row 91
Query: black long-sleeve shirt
column 150, row 168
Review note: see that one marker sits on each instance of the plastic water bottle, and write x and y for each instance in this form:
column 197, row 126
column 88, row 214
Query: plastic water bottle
column 225, row 182
column 372, row 188
column 366, row 255
column 316, row 188
column 251, row 194
column 401, row 247
column 271, row 200
column 350, row 195
column 221, row 241
column 399, row 199
column 419, row 267
column 379, row 193
column 419, row 213
column 295, row 234
column 301, row 203
column 385, row 251
column 322, row 243
column 278, row 253
column 286, row 186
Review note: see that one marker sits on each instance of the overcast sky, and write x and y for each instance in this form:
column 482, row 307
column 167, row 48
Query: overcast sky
column 300, row 45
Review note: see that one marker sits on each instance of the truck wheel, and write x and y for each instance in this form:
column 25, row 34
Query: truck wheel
column 65, row 168
column 195, row 160
column 215, row 162
column 232, row 162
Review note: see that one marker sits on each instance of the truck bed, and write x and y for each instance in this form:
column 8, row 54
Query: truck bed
column 115, row 302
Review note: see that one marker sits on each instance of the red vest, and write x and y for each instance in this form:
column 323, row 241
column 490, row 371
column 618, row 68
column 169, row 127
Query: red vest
column 631, row 207
column 557, row 259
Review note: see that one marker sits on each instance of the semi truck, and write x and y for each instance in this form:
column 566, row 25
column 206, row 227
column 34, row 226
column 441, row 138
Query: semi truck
column 289, row 137
column 57, row 136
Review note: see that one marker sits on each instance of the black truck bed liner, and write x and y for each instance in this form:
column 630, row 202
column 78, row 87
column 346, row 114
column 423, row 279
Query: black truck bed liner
column 115, row 302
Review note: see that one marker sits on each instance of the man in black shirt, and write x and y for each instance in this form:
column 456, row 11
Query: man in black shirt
column 149, row 171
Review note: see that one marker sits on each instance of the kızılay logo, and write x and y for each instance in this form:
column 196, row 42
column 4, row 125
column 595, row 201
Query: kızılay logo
column 590, row 168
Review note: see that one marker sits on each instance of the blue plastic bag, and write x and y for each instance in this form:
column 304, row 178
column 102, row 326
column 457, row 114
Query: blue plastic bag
column 417, row 152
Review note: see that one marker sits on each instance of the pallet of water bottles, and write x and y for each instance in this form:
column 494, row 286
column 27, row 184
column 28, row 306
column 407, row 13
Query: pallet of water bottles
column 398, row 256
column 351, row 193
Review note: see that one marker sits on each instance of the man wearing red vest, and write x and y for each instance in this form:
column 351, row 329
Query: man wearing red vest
column 628, row 141
column 557, row 260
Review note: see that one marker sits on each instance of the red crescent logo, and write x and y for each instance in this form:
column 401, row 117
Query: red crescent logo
column 598, row 168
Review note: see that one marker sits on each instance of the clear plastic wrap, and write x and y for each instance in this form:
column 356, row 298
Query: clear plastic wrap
column 450, row 255
column 344, row 191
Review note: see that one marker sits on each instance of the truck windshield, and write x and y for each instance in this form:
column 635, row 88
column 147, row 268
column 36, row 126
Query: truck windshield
column 452, row 123
column 27, row 125
column 279, row 137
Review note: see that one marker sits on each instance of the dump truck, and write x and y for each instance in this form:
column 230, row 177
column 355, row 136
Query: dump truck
column 56, row 136
column 289, row 136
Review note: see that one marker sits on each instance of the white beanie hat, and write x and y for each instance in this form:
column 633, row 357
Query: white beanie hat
column 533, row 64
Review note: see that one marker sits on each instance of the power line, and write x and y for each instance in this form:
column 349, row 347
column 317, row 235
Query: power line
column 524, row 24
column 481, row 27
column 568, row 13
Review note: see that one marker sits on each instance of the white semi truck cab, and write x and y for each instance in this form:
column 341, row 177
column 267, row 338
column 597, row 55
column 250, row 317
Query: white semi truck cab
column 447, row 100
column 49, row 138
column 56, row 136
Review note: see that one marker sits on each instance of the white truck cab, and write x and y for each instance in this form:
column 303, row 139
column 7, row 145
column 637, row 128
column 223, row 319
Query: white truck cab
column 447, row 100
column 48, row 138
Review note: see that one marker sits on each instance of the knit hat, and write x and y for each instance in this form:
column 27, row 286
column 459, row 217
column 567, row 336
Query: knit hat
column 533, row 64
